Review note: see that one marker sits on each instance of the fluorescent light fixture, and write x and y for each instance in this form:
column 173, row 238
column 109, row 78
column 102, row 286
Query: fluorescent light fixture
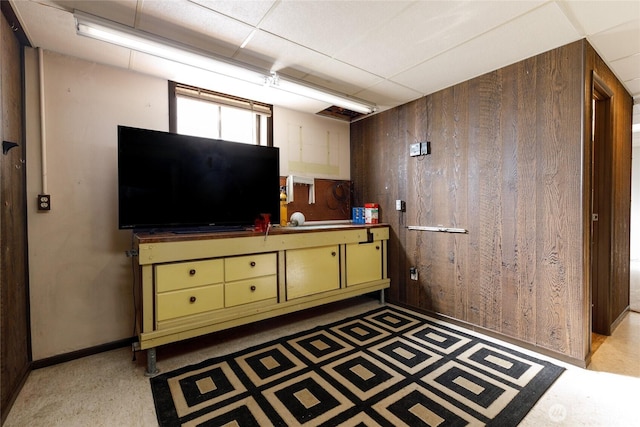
column 297, row 87
column 111, row 32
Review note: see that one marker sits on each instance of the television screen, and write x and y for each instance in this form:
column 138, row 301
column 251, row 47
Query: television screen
column 166, row 180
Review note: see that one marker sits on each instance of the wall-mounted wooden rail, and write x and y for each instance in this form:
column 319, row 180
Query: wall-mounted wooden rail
column 437, row 229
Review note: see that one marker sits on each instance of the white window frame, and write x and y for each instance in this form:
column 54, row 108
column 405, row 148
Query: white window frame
column 262, row 125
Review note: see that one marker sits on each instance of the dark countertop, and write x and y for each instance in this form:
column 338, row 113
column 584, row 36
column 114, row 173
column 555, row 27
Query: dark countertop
column 168, row 236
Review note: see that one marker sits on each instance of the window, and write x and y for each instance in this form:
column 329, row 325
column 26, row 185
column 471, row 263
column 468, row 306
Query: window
column 200, row 112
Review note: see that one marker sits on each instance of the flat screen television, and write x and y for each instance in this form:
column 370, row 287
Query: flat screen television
column 180, row 182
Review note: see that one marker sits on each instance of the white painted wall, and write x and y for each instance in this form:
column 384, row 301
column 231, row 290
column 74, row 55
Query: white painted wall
column 312, row 146
column 80, row 278
column 635, row 204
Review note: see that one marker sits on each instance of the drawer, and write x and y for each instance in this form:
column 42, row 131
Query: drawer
column 251, row 290
column 246, row 267
column 189, row 301
column 183, row 275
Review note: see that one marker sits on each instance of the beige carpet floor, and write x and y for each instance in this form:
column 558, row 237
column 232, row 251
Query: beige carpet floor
column 108, row 389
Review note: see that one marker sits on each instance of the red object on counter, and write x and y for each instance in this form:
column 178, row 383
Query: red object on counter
column 371, row 213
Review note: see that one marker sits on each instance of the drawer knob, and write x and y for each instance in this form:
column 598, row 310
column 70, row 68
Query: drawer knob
column 252, row 263
column 192, row 300
column 253, row 288
column 192, row 272
column 333, row 253
column 377, row 248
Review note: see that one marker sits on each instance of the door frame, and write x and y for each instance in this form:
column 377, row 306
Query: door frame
column 602, row 183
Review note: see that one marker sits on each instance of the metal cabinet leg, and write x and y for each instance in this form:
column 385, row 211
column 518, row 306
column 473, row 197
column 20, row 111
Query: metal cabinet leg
column 381, row 296
column 152, row 369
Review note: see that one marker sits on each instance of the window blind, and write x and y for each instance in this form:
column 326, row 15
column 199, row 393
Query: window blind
column 222, row 99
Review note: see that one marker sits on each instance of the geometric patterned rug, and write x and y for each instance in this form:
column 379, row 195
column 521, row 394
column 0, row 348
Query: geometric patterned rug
column 387, row 367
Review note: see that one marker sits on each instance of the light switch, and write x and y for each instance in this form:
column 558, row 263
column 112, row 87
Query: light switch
column 425, row 148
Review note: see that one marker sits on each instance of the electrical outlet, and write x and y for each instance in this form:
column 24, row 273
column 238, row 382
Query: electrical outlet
column 131, row 253
column 44, row 202
column 413, row 273
column 400, row 205
column 414, row 149
column 425, row 148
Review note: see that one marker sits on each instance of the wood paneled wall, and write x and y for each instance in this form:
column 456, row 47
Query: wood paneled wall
column 15, row 350
column 507, row 165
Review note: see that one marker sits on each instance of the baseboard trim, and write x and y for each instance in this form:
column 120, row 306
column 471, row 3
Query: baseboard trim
column 616, row 322
column 78, row 354
column 520, row 343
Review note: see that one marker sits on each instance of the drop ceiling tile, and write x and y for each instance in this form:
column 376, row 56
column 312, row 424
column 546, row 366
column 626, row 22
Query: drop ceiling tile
column 65, row 40
column 426, row 29
column 438, row 73
column 341, row 77
column 36, row 20
column 618, row 42
column 121, row 11
column 247, row 11
column 627, row 68
column 386, row 94
column 297, row 103
column 633, row 86
column 327, row 26
column 543, row 29
column 193, row 25
column 597, row 16
column 319, row 37
column 274, row 53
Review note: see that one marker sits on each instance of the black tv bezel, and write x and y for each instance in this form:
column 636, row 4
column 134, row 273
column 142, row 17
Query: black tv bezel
column 217, row 221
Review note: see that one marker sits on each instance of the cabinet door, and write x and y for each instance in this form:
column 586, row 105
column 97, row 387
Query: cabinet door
column 364, row 262
column 313, row 270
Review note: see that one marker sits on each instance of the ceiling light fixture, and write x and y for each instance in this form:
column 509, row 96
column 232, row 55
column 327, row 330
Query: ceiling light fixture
column 111, row 32
column 297, row 87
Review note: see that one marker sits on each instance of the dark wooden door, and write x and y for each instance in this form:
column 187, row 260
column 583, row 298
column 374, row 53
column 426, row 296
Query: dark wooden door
column 602, row 180
column 15, row 350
